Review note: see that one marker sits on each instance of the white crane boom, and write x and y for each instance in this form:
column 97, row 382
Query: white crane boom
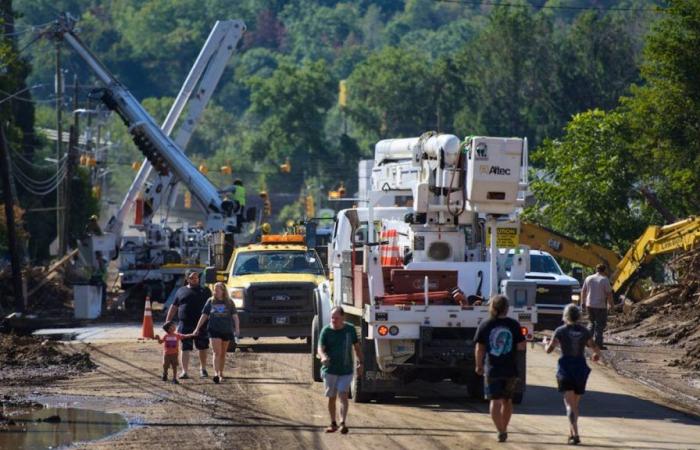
column 208, row 67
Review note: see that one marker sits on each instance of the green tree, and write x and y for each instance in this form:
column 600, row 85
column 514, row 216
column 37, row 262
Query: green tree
column 587, row 185
column 665, row 110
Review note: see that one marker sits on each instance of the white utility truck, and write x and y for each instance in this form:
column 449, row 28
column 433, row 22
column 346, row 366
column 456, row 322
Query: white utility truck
column 397, row 264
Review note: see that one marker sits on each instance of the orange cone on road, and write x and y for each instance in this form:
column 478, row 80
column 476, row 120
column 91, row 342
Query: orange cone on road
column 147, row 329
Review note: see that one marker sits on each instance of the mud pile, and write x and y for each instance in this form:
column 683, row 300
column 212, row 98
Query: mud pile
column 671, row 315
column 28, row 360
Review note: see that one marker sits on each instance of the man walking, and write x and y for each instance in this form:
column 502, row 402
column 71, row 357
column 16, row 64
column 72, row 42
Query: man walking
column 596, row 295
column 498, row 339
column 188, row 304
column 335, row 346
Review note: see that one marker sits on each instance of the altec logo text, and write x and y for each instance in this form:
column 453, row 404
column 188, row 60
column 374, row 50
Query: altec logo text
column 494, row 170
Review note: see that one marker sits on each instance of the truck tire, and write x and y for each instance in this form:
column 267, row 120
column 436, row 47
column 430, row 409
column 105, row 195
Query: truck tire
column 315, row 362
column 358, row 391
column 475, row 388
column 518, row 398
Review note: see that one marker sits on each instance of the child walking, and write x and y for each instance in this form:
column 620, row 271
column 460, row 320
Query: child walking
column 171, row 349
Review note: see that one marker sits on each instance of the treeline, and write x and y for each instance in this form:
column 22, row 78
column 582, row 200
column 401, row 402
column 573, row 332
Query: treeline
column 519, row 70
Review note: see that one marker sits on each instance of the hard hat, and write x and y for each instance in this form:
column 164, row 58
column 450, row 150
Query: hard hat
column 93, row 217
column 266, row 228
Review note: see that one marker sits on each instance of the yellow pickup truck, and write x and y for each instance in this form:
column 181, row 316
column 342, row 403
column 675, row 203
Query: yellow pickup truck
column 272, row 284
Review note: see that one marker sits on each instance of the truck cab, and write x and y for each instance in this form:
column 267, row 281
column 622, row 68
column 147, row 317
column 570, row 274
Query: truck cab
column 555, row 289
column 272, row 284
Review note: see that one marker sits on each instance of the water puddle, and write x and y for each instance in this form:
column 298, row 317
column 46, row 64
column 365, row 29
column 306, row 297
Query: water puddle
column 55, row 427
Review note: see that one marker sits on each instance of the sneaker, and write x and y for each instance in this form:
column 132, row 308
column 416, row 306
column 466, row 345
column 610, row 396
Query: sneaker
column 203, row 373
column 165, row 376
column 216, row 379
column 183, row 376
column 175, row 381
column 343, row 428
column 577, row 440
column 502, row 437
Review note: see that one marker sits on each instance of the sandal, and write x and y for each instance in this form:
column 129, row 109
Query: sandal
column 333, row 428
column 574, row 440
column 343, row 428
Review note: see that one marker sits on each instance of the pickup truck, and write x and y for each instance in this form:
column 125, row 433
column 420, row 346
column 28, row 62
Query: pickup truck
column 555, row 289
column 272, row 284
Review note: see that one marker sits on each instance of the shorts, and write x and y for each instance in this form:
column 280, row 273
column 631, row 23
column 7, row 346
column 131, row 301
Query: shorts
column 170, row 361
column 566, row 384
column 500, row 388
column 336, row 384
column 200, row 342
column 222, row 336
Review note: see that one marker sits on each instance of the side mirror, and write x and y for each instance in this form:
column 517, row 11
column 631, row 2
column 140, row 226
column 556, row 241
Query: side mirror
column 210, row 275
column 577, row 272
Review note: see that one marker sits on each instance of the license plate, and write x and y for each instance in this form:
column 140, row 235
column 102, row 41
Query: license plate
column 281, row 320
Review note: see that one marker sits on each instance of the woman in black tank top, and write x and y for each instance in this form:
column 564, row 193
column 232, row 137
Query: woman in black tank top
column 572, row 370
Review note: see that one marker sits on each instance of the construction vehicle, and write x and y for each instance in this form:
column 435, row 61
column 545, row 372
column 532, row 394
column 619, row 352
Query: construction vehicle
column 273, row 285
column 416, row 278
column 156, row 259
column 219, row 218
column 656, row 240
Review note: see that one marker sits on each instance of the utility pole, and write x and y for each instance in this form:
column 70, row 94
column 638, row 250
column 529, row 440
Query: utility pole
column 71, row 163
column 9, row 196
column 59, row 144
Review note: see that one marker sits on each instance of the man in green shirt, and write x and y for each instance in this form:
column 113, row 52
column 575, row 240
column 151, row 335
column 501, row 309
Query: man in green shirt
column 335, row 346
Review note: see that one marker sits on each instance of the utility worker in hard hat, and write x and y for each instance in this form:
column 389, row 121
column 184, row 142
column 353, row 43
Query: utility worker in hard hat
column 93, row 228
column 239, row 198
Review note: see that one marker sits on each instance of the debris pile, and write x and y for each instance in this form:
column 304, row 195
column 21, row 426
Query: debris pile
column 27, row 360
column 53, row 298
column 671, row 315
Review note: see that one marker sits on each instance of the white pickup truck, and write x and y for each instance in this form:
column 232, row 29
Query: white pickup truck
column 555, row 289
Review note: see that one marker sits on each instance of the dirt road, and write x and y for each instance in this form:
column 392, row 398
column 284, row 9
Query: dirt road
column 268, row 402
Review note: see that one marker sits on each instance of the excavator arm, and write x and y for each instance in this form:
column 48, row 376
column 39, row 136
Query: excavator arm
column 656, row 240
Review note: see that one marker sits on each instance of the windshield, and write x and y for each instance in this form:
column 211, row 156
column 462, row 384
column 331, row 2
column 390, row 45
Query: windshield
column 538, row 263
column 277, row 262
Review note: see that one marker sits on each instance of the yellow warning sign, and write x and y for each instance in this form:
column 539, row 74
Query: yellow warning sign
column 505, row 237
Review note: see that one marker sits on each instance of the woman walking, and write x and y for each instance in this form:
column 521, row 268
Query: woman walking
column 223, row 325
column 572, row 370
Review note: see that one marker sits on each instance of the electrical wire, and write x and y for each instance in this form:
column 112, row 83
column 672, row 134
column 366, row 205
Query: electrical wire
column 562, row 7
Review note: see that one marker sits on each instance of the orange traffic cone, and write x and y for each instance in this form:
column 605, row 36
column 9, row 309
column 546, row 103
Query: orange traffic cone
column 147, row 329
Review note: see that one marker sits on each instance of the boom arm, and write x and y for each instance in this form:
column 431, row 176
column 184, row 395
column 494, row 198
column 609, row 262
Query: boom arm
column 208, row 67
column 584, row 253
column 165, row 156
column 682, row 235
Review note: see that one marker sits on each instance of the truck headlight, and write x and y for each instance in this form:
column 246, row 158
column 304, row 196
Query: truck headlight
column 236, row 293
column 575, row 298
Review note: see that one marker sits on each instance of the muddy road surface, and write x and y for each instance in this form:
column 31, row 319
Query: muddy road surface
column 268, row 401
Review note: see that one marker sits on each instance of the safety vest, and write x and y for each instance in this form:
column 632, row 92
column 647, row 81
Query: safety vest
column 239, row 195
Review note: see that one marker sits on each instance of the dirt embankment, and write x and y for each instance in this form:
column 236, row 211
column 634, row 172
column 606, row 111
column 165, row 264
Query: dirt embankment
column 29, row 360
column 671, row 315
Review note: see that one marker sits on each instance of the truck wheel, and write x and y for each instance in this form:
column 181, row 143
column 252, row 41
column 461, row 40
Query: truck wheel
column 315, row 362
column 518, row 398
column 475, row 388
column 357, row 392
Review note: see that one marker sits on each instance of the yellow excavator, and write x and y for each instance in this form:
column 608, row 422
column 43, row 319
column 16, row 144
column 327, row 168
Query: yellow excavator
column 656, row 240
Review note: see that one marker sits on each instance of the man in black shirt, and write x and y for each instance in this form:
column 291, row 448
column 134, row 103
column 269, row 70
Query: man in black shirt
column 188, row 305
column 498, row 340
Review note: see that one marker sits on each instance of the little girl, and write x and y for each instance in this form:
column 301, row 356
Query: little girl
column 171, row 349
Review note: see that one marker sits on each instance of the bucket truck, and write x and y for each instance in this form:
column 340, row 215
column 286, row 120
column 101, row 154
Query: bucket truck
column 163, row 154
column 412, row 268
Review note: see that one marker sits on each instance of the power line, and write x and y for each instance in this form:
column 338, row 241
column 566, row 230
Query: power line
column 561, row 7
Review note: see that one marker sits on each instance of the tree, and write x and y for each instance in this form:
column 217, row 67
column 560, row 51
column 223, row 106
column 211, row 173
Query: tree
column 392, row 95
column 587, row 185
column 665, row 110
column 290, row 108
